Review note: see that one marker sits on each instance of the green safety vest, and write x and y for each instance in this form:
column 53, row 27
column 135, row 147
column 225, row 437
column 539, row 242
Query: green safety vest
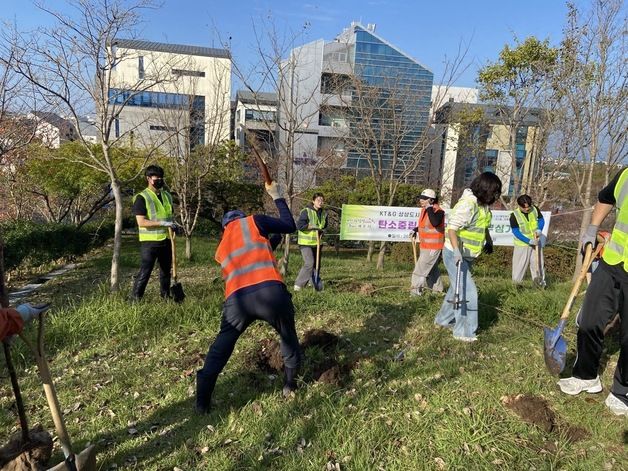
column 615, row 252
column 528, row 226
column 473, row 236
column 156, row 211
column 309, row 237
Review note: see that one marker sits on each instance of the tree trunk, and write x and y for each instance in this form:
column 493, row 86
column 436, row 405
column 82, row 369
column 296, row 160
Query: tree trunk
column 380, row 256
column 188, row 247
column 4, row 293
column 117, row 236
column 369, row 252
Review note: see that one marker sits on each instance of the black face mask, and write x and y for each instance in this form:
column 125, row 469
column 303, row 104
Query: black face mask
column 159, row 184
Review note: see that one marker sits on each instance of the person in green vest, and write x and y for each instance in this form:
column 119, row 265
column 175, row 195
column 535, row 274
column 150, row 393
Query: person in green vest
column 466, row 237
column 527, row 225
column 153, row 212
column 311, row 223
column 606, row 295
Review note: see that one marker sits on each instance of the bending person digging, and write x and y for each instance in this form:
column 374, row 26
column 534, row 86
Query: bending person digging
column 254, row 290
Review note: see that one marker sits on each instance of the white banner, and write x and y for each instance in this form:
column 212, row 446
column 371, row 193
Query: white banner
column 394, row 223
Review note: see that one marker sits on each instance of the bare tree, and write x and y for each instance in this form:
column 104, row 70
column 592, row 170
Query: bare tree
column 73, row 65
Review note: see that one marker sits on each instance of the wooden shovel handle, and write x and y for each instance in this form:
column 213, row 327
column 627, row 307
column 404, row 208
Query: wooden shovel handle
column 262, row 165
column 589, row 256
column 413, row 242
column 174, row 253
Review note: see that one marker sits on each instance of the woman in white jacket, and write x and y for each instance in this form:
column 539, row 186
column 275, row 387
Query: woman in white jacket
column 466, row 236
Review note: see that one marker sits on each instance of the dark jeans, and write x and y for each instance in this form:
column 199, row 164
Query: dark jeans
column 149, row 252
column 271, row 303
column 606, row 296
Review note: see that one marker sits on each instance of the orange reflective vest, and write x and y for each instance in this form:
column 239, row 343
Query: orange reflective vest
column 245, row 256
column 430, row 237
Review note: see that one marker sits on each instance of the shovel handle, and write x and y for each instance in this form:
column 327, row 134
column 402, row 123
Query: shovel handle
column 262, row 165
column 412, row 241
column 589, row 255
column 173, row 246
column 318, row 251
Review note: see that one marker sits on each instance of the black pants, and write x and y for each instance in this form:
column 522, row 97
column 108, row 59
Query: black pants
column 271, row 303
column 149, row 252
column 606, row 295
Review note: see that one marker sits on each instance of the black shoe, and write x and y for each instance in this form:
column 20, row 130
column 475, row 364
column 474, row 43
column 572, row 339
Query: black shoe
column 290, row 382
column 204, row 389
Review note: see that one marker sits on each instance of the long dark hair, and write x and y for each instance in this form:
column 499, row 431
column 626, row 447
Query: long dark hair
column 486, row 187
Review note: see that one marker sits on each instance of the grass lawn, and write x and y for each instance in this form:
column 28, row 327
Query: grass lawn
column 125, row 378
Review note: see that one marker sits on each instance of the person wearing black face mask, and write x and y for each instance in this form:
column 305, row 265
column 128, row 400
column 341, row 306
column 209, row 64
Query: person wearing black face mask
column 153, row 212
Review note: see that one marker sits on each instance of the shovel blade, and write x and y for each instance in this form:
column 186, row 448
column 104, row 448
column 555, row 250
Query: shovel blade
column 317, row 283
column 555, row 350
column 84, row 461
column 177, row 293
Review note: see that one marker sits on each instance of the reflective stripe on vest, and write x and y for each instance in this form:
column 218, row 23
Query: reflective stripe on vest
column 473, row 236
column 156, row 211
column 527, row 226
column 245, row 256
column 615, row 252
column 309, row 237
column 430, row 237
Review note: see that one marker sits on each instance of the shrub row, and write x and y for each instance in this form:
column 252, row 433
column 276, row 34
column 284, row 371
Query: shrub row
column 31, row 244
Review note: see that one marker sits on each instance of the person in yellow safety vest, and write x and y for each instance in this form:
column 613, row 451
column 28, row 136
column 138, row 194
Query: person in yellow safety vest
column 153, row 212
column 311, row 223
column 466, row 236
column 527, row 225
column 606, row 295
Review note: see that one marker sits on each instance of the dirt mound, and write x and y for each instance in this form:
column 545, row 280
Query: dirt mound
column 17, row 456
column 536, row 411
column 319, row 338
column 268, row 358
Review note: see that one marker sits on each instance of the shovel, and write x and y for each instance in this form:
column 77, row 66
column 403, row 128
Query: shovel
column 413, row 248
column 457, row 302
column 86, row 459
column 316, row 276
column 555, row 351
column 176, row 289
column 540, row 281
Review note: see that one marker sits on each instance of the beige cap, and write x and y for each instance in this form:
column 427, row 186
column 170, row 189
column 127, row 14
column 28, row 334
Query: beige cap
column 429, row 193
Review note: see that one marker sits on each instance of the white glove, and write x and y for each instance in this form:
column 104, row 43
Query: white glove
column 29, row 311
column 273, row 190
column 168, row 224
column 533, row 242
column 457, row 256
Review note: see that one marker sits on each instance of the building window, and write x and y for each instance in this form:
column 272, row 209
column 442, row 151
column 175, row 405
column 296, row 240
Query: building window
column 335, row 83
column 140, row 66
column 154, row 99
column 154, row 127
column 332, row 116
column 258, row 115
column 188, row 73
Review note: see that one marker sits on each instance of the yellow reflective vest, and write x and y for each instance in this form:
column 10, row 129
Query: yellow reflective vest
column 527, row 225
column 473, row 236
column 308, row 237
column 616, row 251
column 156, row 211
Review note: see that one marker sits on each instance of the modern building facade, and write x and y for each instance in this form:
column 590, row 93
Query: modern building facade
column 255, row 117
column 334, row 93
column 475, row 138
column 172, row 96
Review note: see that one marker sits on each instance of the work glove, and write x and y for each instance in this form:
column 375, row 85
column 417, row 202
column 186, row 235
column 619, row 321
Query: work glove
column 533, row 242
column 412, row 235
column 589, row 236
column 169, row 224
column 488, row 248
column 30, row 311
column 273, row 190
column 457, row 256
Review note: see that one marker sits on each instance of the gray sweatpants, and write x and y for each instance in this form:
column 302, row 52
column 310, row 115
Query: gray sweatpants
column 426, row 272
column 522, row 257
column 309, row 263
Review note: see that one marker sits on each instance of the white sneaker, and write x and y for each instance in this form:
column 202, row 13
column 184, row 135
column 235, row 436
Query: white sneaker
column 465, row 339
column 573, row 386
column 297, row 288
column 616, row 405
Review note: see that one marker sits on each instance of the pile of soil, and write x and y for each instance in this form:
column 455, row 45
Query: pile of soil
column 319, row 338
column 34, row 455
column 365, row 289
column 536, row 411
column 268, row 358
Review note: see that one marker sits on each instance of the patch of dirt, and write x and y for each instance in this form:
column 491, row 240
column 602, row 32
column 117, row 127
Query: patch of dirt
column 319, row 338
column 268, row 358
column 536, row 411
column 19, row 456
column 365, row 289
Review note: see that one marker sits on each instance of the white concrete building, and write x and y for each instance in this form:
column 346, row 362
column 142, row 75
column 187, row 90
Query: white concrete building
column 172, row 95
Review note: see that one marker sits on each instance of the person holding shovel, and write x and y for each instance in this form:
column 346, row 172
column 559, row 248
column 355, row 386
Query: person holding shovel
column 431, row 234
column 12, row 320
column 605, row 296
column 466, row 237
column 311, row 223
column 153, row 212
column 527, row 225
column 254, row 290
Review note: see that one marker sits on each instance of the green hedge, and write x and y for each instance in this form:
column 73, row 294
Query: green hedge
column 30, row 243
